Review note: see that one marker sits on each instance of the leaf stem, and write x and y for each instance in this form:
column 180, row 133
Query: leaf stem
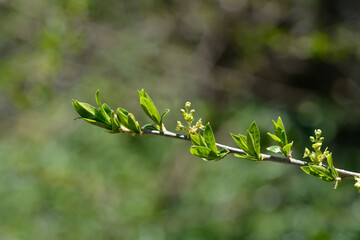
column 292, row 161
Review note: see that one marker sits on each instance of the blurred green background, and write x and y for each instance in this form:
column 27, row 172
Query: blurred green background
column 235, row 60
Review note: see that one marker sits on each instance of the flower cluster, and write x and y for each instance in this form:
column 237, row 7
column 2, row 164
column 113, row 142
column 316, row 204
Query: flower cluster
column 189, row 118
column 317, row 156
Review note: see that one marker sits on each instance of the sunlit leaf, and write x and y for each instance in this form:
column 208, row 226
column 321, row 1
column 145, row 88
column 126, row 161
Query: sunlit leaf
column 247, row 157
column 250, row 144
column 99, row 124
column 203, row 152
column 240, row 141
column 255, row 133
column 275, row 149
column 149, row 127
column 85, row 110
column 287, row 149
column 150, row 109
column 101, row 108
column 133, row 124
column 275, row 137
column 209, row 138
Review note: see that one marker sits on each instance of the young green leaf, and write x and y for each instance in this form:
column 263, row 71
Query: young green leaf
column 275, row 149
column 96, row 123
column 223, row 152
column 149, row 127
column 335, row 174
column 281, row 138
column 255, row 133
column 275, row 138
column 101, row 108
column 122, row 115
column 203, row 152
column 107, row 109
column 209, row 138
column 287, row 149
column 247, row 157
column 195, row 139
column 133, row 124
column 312, row 172
column 251, row 144
column 85, row 110
column 241, row 142
column 164, row 114
column 150, row 109
column 114, row 122
column 280, row 123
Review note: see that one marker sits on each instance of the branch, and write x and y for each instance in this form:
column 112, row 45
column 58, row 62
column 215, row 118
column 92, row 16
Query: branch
column 266, row 157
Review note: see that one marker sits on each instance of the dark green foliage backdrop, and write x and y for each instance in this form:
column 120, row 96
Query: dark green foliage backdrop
column 236, row 61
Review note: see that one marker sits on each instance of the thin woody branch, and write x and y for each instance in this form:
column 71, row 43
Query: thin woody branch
column 266, row 157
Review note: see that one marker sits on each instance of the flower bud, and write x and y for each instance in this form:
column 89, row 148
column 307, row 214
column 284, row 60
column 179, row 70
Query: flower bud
column 318, row 133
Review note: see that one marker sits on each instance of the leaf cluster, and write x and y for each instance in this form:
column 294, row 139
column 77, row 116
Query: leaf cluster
column 105, row 117
column 250, row 143
column 204, row 146
column 281, row 138
column 150, row 109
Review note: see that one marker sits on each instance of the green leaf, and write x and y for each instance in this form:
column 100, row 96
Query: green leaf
column 240, row 141
column 133, row 124
column 324, row 173
column 275, row 138
column 275, row 149
column 164, row 114
column 150, row 109
column 287, row 149
column 280, row 123
column 277, row 128
column 209, row 137
column 101, row 108
column 149, row 127
column 114, row 123
column 255, row 133
column 122, row 115
column 335, row 174
column 307, row 170
column 282, row 136
column 223, row 152
column 99, row 124
column 195, row 139
column 251, row 144
column 142, row 93
column 247, row 157
column 311, row 172
column 107, row 109
column 203, row 152
column 85, row 110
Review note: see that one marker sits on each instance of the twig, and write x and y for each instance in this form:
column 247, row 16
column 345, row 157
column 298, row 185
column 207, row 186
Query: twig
column 266, row 157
